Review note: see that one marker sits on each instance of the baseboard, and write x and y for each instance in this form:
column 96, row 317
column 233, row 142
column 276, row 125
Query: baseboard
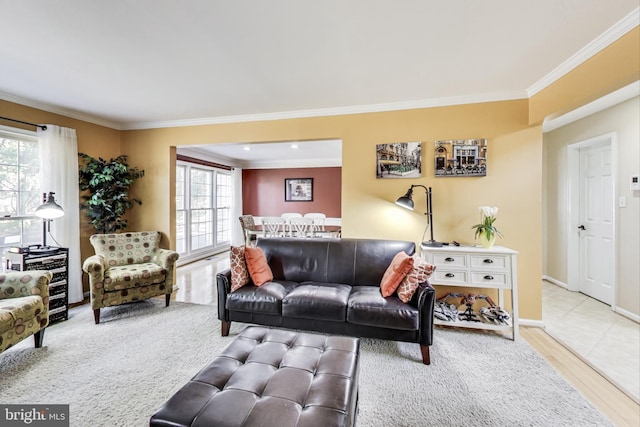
column 555, row 282
column 629, row 315
column 531, row 322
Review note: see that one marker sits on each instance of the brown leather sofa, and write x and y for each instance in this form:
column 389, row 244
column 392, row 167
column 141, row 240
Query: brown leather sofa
column 330, row 286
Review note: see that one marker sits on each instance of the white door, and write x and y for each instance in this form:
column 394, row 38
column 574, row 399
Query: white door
column 596, row 222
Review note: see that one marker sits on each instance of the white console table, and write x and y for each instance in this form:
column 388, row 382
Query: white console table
column 477, row 267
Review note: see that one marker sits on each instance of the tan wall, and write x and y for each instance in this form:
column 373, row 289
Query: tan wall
column 611, row 69
column 513, row 181
column 624, row 120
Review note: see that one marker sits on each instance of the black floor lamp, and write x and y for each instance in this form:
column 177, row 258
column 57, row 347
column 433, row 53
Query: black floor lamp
column 48, row 211
column 406, row 202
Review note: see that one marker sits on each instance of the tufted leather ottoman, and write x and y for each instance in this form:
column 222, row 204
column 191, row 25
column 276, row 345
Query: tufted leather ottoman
column 271, row 378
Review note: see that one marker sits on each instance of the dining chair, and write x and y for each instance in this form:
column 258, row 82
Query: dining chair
column 273, row 226
column 287, row 216
column 317, row 226
column 248, row 228
column 301, row 227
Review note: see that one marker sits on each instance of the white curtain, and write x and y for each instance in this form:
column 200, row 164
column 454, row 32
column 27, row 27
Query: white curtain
column 59, row 174
column 237, row 235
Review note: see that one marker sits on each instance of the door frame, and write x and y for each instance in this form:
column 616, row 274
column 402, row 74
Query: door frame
column 573, row 208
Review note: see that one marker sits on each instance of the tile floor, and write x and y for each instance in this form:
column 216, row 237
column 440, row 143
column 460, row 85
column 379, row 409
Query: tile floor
column 607, row 341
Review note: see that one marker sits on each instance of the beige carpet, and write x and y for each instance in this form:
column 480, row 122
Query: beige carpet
column 119, row 372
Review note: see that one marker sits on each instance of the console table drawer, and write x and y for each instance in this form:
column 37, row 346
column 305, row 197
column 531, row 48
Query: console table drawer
column 449, row 260
column 492, row 279
column 445, row 277
column 476, row 267
column 490, row 261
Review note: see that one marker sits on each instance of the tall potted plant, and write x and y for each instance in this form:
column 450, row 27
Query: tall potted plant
column 107, row 183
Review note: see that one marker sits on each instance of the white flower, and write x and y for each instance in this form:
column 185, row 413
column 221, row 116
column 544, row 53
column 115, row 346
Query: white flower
column 488, row 211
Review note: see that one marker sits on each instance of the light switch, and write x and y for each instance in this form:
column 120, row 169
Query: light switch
column 622, row 202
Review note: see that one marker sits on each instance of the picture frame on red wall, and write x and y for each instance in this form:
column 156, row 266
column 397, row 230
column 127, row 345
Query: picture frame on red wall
column 298, row 189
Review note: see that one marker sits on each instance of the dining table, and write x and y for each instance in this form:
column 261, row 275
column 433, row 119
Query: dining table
column 326, row 231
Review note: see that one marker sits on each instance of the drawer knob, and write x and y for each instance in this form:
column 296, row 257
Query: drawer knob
column 488, row 261
column 488, row 277
column 449, row 275
column 449, row 259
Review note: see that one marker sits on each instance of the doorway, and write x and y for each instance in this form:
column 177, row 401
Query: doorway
column 591, row 235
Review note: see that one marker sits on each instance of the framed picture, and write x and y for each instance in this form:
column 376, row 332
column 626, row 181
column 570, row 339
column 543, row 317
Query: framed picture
column 298, row 189
column 461, row 157
column 399, row 160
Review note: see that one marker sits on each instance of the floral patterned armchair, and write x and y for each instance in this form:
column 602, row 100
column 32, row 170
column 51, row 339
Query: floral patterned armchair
column 24, row 306
column 128, row 267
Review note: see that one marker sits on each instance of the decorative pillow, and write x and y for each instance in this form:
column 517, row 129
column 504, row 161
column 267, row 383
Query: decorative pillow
column 239, row 272
column 259, row 270
column 397, row 270
column 419, row 273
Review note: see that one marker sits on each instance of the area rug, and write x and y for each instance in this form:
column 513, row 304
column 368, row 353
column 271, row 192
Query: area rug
column 119, row 372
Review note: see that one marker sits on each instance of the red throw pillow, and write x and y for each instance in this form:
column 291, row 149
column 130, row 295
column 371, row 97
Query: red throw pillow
column 259, row 270
column 239, row 272
column 419, row 273
column 397, row 270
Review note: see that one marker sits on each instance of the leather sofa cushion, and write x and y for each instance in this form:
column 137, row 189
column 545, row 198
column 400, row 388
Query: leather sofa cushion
column 266, row 298
column 357, row 262
column 368, row 307
column 314, row 300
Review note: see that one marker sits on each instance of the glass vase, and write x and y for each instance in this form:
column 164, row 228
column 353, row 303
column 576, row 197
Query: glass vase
column 487, row 243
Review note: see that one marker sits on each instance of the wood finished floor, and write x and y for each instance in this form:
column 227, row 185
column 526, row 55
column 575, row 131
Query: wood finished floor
column 196, row 284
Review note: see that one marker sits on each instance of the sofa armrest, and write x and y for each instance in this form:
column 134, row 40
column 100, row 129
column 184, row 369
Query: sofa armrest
column 25, row 284
column 95, row 266
column 166, row 258
column 223, row 281
column 425, row 300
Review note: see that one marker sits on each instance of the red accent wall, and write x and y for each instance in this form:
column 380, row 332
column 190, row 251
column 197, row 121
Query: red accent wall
column 263, row 191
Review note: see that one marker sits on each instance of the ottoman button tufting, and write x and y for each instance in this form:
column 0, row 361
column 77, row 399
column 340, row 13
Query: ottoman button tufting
column 281, row 382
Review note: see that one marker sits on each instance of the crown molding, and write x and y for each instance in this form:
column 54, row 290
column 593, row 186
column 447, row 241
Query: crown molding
column 205, row 155
column 337, row 111
column 618, row 30
column 261, row 164
column 614, row 98
column 59, row 110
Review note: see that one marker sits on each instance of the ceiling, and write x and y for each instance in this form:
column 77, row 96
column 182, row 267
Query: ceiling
column 291, row 154
column 135, row 64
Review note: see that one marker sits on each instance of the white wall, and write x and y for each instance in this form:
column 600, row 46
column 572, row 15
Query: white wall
column 624, row 120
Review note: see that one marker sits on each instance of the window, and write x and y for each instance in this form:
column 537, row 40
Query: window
column 181, row 238
column 223, row 207
column 19, row 189
column 203, row 203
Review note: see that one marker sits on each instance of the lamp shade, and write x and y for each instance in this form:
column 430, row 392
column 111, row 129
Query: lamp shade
column 49, row 209
column 406, row 201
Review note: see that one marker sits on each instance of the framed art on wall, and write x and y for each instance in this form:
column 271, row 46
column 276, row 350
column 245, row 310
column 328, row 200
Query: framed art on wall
column 399, row 160
column 460, row 157
column 298, row 189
